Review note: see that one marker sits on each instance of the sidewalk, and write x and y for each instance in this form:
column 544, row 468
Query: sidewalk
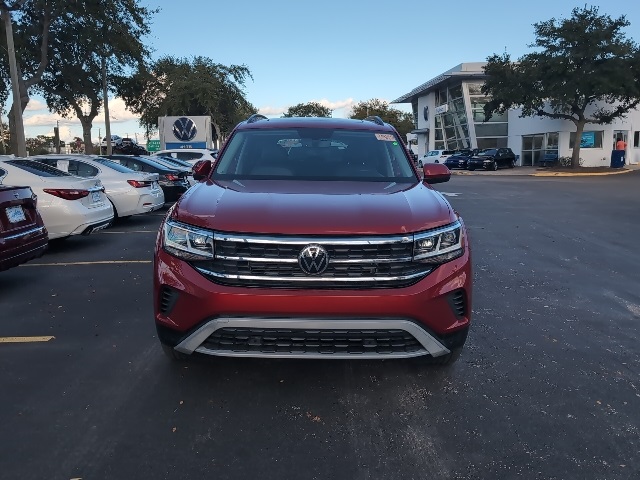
column 545, row 172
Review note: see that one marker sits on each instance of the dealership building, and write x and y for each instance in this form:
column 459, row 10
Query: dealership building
column 449, row 114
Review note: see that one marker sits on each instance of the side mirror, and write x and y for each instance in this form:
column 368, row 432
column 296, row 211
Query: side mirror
column 202, row 169
column 436, row 173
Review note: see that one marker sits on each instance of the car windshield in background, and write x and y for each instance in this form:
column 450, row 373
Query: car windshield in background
column 489, row 152
column 315, row 154
column 113, row 165
column 37, row 168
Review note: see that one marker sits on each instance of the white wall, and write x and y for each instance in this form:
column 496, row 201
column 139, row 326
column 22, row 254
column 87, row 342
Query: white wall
column 592, row 156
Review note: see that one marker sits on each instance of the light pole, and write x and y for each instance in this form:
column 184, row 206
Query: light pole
column 57, row 136
column 105, row 94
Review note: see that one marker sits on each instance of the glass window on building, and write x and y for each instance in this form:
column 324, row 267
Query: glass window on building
column 636, row 139
column 492, row 142
column 538, row 149
column 591, row 139
column 455, row 92
column 492, row 130
column 441, row 97
column 475, row 89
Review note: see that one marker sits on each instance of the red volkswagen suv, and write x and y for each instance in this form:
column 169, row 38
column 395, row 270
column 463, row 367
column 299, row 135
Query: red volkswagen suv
column 313, row 238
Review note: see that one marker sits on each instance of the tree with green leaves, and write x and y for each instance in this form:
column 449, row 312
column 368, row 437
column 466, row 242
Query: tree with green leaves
column 584, row 70
column 27, row 48
column 309, row 109
column 402, row 121
column 101, row 36
column 178, row 86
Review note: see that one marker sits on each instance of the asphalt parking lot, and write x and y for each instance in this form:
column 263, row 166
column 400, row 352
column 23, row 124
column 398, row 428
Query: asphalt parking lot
column 548, row 386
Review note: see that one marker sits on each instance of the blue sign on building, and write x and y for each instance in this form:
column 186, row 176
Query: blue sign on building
column 588, row 140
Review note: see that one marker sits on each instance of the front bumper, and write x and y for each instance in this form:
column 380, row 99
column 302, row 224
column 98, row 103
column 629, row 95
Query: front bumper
column 194, row 314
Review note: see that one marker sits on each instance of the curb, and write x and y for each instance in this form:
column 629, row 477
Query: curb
column 545, row 174
column 569, row 174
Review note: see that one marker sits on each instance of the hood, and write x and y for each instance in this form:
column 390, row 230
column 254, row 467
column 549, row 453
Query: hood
column 313, row 208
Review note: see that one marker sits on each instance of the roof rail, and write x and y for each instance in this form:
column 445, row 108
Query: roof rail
column 256, row 117
column 375, row 119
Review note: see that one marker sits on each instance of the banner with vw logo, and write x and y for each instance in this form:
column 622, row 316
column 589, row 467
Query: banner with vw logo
column 185, row 132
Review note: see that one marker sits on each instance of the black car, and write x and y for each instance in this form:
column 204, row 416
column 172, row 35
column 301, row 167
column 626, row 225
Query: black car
column 460, row 159
column 492, row 159
column 172, row 181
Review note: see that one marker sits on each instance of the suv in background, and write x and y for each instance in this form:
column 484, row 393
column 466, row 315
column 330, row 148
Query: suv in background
column 116, row 141
column 313, row 238
column 435, row 156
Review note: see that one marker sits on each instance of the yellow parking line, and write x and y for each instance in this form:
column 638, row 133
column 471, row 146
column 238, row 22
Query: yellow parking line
column 25, row 339
column 100, row 262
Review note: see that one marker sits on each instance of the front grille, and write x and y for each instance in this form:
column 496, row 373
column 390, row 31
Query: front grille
column 354, row 263
column 297, row 341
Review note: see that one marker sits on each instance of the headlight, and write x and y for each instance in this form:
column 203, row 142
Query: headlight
column 187, row 242
column 438, row 246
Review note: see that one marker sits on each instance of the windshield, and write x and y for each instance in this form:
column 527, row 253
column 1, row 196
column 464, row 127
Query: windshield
column 37, row 168
column 488, row 151
column 433, row 153
column 113, row 165
column 315, row 154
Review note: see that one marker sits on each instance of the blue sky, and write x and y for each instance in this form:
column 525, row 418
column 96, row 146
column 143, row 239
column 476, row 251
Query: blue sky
column 335, row 52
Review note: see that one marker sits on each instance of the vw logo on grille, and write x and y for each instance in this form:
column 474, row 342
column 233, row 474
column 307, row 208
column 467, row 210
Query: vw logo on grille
column 313, row 259
column 184, row 129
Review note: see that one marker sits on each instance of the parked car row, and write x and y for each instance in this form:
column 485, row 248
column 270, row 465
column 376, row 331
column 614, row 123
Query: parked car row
column 487, row 159
column 49, row 197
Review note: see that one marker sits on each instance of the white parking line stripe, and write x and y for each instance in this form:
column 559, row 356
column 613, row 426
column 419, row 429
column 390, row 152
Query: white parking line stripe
column 25, row 339
column 99, row 262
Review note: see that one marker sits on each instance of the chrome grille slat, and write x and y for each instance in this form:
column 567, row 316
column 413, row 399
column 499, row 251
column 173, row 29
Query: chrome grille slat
column 354, row 262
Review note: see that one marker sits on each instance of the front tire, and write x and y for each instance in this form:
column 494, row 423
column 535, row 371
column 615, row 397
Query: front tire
column 512, row 164
column 420, row 163
column 494, row 167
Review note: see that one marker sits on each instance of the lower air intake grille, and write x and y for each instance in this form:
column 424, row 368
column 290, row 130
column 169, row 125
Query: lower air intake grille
column 168, row 298
column 278, row 341
column 458, row 303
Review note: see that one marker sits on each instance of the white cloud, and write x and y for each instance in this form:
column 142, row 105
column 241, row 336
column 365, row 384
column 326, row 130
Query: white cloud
column 46, row 119
column 35, row 105
column 272, row 110
column 338, row 107
column 117, row 111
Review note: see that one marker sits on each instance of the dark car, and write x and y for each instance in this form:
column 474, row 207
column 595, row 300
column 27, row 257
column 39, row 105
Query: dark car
column 172, row 181
column 23, row 235
column 176, row 162
column 492, row 159
column 313, row 238
column 459, row 159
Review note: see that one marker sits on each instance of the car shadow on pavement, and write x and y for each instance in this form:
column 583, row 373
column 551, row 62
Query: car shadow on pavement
column 302, row 374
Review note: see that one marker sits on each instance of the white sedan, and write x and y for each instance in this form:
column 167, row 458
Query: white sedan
column 130, row 193
column 191, row 155
column 69, row 205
